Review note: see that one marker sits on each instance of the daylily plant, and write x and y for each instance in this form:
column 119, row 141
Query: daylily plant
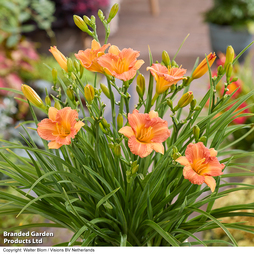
column 130, row 178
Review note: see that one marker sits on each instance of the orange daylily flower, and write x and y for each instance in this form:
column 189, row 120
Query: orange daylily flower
column 60, row 127
column 202, row 68
column 60, row 58
column 121, row 64
column 166, row 77
column 200, row 165
column 89, row 57
column 146, row 133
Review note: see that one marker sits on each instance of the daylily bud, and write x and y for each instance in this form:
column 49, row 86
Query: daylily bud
column 48, row 101
column 113, row 12
column 170, row 103
column 80, row 23
column 193, row 103
column 165, row 58
column 174, row 64
column 134, row 169
column 203, row 139
column 197, row 108
column 230, row 55
column 102, row 128
column 185, row 100
column 54, row 75
column 141, row 85
column 203, row 67
column 87, row 20
column 229, row 70
column 60, row 58
column 105, row 90
column 220, row 70
column 69, row 65
column 70, row 94
column 76, row 65
column 93, row 20
column 196, row 132
column 32, row 96
column 234, row 79
column 89, row 93
column 117, row 150
column 119, row 121
column 105, row 123
column 57, row 105
column 101, row 15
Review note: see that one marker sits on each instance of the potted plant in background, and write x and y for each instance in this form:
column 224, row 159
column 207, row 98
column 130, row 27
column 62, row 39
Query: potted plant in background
column 231, row 22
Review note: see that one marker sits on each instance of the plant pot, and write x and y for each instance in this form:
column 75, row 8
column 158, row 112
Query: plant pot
column 222, row 36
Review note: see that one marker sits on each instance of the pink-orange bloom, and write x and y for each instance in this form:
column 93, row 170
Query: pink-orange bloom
column 89, row 57
column 166, row 77
column 60, row 127
column 60, row 58
column 146, row 133
column 200, row 165
column 121, row 64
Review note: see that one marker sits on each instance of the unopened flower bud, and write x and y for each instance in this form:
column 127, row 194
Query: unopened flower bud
column 234, row 79
column 32, row 96
column 203, row 139
column 230, row 55
column 69, row 65
column 76, row 65
column 173, row 88
column 80, row 23
column 70, row 94
column 196, row 132
column 141, row 85
column 134, row 169
column 105, row 123
column 87, row 20
column 165, row 58
column 60, row 58
column 185, row 100
column 57, row 105
column 93, row 20
column 101, row 15
column 220, row 70
column 174, row 64
column 197, row 108
column 193, row 103
column 89, row 93
column 102, row 128
column 117, row 150
column 229, row 70
column 54, row 75
column 113, row 12
column 48, row 101
column 119, row 121
column 202, row 68
column 105, row 90
column 170, row 103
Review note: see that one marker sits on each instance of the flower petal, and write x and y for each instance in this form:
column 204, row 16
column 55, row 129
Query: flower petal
column 67, row 117
column 210, row 181
column 213, row 152
column 46, row 128
column 137, row 120
column 52, row 113
column 192, row 176
column 78, row 126
column 54, row 145
column 126, row 131
column 138, row 148
column 153, row 114
column 196, row 152
column 158, row 147
column 183, row 161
